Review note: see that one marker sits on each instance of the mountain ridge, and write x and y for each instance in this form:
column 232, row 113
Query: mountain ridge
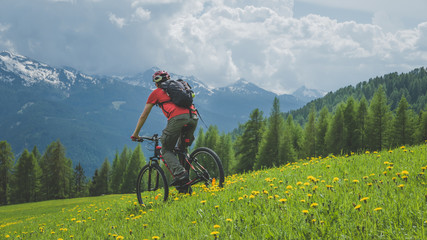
column 93, row 116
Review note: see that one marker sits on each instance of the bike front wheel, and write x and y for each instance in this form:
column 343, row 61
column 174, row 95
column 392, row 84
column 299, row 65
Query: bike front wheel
column 206, row 166
column 152, row 184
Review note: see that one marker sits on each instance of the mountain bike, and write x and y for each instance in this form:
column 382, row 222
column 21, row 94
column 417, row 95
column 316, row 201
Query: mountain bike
column 203, row 165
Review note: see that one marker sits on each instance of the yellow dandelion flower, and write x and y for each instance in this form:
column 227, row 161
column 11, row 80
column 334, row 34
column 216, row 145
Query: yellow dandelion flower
column 214, row 233
column 120, row 238
column 305, row 211
column 364, row 199
column 357, row 207
column 314, row 205
column 401, row 186
column 155, row 237
column 299, row 183
column 283, row 200
column 335, row 179
column 355, row 181
column 193, row 222
column 228, row 220
column 405, row 172
column 216, row 226
column 203, row 201
column 378, row 209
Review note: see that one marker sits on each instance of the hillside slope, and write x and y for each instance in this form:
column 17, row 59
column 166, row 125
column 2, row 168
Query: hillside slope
column 369, row 196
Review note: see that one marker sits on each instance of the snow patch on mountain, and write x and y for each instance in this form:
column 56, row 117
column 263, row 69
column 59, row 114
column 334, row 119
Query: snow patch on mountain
column 31, row 72
column 28, row 104
column 117, row 104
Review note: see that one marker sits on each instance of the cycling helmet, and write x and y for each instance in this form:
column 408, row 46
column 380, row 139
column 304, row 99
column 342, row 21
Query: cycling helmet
column 160, row 76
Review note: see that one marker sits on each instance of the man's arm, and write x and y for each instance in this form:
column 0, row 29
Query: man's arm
column 142, row 119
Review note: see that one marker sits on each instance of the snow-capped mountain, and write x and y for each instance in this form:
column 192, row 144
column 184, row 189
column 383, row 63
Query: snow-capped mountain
column 15, row 67
column 306, row 94
column 94, row 116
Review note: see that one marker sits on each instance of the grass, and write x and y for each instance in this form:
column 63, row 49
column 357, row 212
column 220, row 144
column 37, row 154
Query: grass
column 367, row 196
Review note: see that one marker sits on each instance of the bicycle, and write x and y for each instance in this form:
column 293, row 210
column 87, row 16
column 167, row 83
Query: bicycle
column 203, row 165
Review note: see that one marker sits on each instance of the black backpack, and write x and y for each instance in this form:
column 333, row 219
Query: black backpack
column 179, row 91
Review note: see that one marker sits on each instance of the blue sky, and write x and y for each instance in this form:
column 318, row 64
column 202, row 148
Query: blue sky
column 279, row 45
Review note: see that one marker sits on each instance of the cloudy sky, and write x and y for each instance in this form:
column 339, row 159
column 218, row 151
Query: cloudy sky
column 279, row 45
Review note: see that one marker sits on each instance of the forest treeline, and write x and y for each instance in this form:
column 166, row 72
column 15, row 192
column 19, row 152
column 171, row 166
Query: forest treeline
column 353, row 123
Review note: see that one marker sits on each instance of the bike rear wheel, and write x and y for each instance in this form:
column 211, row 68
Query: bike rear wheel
column 152, row 184
column 206, row 166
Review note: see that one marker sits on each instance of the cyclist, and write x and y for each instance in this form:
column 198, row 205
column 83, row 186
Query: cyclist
column 181, row 124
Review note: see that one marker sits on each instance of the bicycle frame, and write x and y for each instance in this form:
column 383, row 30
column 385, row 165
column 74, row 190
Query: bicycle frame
column 201, row 172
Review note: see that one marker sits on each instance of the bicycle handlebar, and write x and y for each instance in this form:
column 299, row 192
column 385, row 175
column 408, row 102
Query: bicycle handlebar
column 154, row 138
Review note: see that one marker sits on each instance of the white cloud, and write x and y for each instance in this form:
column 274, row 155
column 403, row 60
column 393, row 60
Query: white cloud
column 119, row 22
column 220, row 41
column 141, row 14
column 4, row 27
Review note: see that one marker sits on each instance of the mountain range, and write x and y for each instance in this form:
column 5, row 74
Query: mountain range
column 93, row 116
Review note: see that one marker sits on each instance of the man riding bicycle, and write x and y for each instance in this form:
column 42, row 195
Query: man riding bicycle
column 182, row 123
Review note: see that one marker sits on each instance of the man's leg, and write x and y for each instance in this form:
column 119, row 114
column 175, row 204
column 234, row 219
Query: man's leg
column 169, row 139
column 187, row 135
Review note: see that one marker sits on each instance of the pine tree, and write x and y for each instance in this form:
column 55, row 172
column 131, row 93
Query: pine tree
column 421, row 133
column 56, row 172
column 296, row 136
column 80, row 186
column 120, row 171
column 200, row 141
column 226, row 153
column 6, row 162
column 403, row 129
column 310, row 135
column 335, row 133
column 93, row 185
column 286, row 150
column 131, row 174
column 268, row 155
column 247, row 145
column 379, row 117
column 104, row 177
column 26, row 179
column 361, row 123
column 116, row 175
column 211, row 138
column 36, row 153
column 350, row 126
column 321, row 129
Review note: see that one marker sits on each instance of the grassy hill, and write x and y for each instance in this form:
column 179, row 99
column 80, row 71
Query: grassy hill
column 369, row 196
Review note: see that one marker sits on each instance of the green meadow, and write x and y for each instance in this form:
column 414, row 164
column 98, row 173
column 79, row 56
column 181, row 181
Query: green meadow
column 372, row 195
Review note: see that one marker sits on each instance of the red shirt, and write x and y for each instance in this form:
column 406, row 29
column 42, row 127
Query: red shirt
column 169, row 108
